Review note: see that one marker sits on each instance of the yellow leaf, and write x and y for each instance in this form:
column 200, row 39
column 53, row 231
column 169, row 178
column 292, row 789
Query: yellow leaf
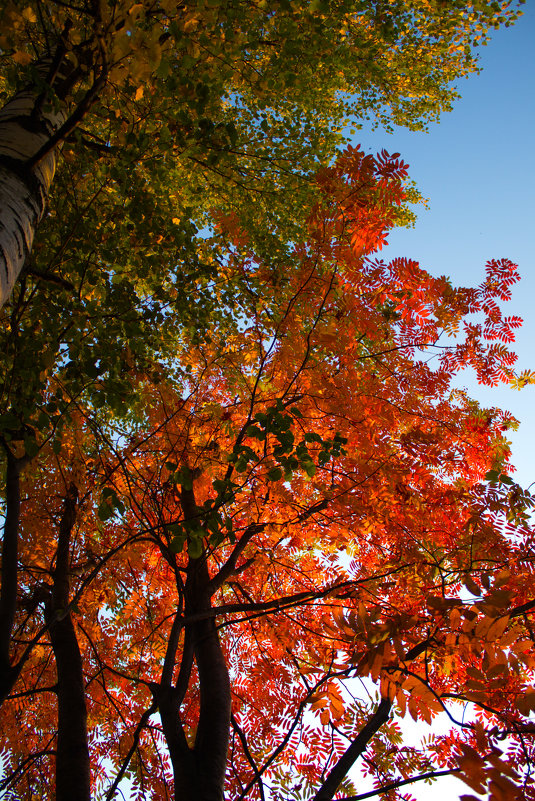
column 29, row 14
column 497, row 628
column 139, row 93
column 190, row 24
column 318, row 702
column 455, row 617
column 376, row 666
column 426, row 713
column 155, row 54
column 337, row 707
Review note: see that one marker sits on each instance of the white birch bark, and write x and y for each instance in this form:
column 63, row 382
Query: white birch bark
column 23, row 191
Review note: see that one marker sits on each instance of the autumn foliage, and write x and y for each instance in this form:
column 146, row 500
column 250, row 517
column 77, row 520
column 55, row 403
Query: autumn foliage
column 305, row 537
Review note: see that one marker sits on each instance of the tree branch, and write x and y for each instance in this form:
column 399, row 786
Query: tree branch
column 126, row 761
column 394, row 785
column 355, row 749
column 361, row 741
column 243, row 740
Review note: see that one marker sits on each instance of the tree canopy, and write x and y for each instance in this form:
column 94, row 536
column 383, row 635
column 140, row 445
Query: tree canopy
column 187, row 108
column 248, row 522
column 305, row 536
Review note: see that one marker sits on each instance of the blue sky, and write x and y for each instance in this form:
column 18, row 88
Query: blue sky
column 476, row 167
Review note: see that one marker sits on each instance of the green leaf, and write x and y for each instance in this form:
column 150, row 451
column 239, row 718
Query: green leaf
column 105, row 511
column 492, row 475
column 8, row 421
column 177, row 543
column 257, row 433
column 173, row 529
column 43, row 421
column 217, row 538
column 504, row 479
column 195, row 548
column 184, row 478
column 31, row 447
column 310, row 468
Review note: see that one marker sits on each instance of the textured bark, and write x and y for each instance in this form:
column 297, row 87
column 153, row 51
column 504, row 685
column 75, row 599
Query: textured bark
column 181, row 755
column 25, row 128
column 73, row 776
column 199, row 772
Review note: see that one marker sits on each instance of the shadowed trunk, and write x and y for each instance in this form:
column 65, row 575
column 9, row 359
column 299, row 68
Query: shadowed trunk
column 8, row 591
column 199, row 771
column 212, row 738
column 73, row 777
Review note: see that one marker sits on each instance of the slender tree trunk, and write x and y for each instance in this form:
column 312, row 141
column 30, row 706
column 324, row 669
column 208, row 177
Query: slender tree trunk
column 26, row 125
column 73, row 776
column 8, row 590
column 169, row 699
column 359, row 744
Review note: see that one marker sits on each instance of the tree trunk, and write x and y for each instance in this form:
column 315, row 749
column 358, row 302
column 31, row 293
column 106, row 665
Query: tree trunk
column 212, row 738
column 26, row 125
column 8, row 589
column 198, row 771
column 73, row 775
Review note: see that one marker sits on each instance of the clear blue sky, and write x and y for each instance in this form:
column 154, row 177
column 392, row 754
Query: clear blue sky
column 476, row 167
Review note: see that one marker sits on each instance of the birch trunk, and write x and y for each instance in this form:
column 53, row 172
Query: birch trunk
column 25, row 127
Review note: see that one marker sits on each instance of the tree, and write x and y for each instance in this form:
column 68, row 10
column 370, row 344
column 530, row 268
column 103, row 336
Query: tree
column 306, row 535
column 213, row 104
